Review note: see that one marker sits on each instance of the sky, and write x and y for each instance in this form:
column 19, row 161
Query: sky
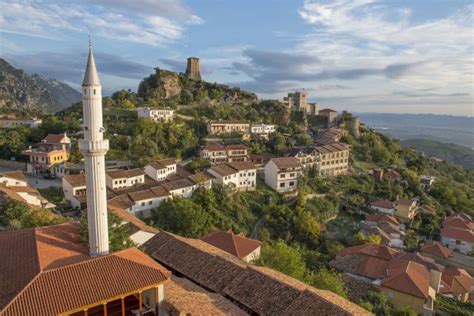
column 397, row 56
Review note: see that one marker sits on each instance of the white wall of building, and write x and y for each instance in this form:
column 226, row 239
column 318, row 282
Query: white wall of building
column 160, row 174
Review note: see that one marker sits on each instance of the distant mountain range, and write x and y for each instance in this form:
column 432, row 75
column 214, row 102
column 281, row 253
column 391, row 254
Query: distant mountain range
column 36, row 93
column 451, row 152
column 441, row 128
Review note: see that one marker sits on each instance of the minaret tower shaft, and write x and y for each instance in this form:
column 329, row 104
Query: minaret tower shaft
column 94, row 147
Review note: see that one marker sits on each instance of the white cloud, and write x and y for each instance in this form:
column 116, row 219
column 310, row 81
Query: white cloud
column 141, row 21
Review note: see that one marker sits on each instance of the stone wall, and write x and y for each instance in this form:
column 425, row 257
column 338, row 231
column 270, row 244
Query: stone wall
column 13, row 165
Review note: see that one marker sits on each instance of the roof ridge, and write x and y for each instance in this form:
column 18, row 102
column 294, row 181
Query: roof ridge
column 235, row 244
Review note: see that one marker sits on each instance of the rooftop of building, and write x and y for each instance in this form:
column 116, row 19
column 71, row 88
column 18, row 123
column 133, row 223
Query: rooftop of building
column 407, row 277
column 43, row 264
column 436, row 249
column 235, row 244
column 17, row 175
column 382, row 204
column 163, row 163
column 121, row 174
column 286, row 162
column 76, row 180
column 260, row 290
column 381, row 218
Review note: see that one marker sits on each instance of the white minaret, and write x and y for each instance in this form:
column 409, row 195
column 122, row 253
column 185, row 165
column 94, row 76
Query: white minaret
column 94, row 147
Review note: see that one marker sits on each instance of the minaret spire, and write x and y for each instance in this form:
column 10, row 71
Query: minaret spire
column 91, row 77
column 94, row 147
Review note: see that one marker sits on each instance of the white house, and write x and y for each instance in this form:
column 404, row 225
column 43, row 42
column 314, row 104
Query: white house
column 262, row 129
column 161, row 169
column 181, row 187
column 141, row 203
column 13, row 178
column 74, row 189
column 11, row 122
column 119, row 179
column 383, row 206
column 281, row 174
column 241, row 176
column 458, row 233
column 427, row 182
column 155, row 114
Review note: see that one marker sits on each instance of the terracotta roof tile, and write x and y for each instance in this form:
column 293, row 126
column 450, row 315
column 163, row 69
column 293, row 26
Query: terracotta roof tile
column 178, row 184
column 17, row 175
column 260, row 290
column 408, row 277
column 436, row 249
column 382, row 204
column 237, row 245
column 120, row 174
column 242, row 166
column 286, row 162
column 382, row 218
column 54, row 138
column 163, row 163
column 458, row 234
column 73, row 286
column 76, row 180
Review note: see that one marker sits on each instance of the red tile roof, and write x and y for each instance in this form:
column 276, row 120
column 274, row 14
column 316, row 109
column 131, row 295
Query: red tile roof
column 382, row 218
column 76, row 180
column 213, row 147
column 242, row 166
column 286, row 162
column 437, row 250
column 382, row 204
column 451, row 276
column 405, row 202
column 46, row 271
column 54, row 138
column 408, row 277
column 237, row 245
column 455, row 221
column 17, row 175
column 458, row 234
column 327, row 110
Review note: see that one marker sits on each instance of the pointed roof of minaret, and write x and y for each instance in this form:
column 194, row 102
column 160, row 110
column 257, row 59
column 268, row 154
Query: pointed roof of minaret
column 91, row 77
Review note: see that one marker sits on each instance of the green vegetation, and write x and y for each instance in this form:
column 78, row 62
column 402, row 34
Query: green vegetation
column 453, row 307
column 18, row 215
column 451, row 152
column 118, row 233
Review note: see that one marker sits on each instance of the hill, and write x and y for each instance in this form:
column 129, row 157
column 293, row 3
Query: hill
column 170, row 88
column 442, row 128
column 33, row 93
column 451, row 152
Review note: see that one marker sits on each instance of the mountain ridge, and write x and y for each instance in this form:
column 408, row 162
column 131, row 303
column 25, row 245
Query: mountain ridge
column 34, row 93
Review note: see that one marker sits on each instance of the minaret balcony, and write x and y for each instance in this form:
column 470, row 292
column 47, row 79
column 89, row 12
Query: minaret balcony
column 94, row 146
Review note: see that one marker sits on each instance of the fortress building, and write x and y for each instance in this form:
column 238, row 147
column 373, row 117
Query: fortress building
column 192, row 69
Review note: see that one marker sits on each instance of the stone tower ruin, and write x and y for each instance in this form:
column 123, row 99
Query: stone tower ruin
column 354, row 127
column 192, row 69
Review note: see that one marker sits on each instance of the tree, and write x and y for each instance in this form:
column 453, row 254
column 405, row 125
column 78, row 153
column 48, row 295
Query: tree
column 404, row 311
column 183, row 217
column 118, row 233
column 378, row 301
column 373, row 239
column 303, row 140
column 18, row 215
column 326, row 279
column 283, row 258
column 198, row 165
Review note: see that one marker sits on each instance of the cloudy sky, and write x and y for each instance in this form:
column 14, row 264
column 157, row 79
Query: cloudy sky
column 361, row 55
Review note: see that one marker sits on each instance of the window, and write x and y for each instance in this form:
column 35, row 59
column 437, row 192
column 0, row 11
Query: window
column 282, row 185
column 292, row 183
column 149, row 203
column 94, row 91
column 143, row 203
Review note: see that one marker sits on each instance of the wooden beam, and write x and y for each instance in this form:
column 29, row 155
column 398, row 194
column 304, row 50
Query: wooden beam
column 140, row 302
column 105, row 309
column 123, row 306
column 85, row 312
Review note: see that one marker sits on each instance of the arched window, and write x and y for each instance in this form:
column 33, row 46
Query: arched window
column 94, row 91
